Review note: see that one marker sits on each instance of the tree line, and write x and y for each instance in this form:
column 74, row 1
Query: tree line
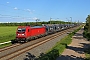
column 86, row 33
column 33, row 23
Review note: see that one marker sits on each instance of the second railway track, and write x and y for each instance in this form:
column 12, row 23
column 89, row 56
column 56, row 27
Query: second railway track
column 15, row 51
column 9, row 47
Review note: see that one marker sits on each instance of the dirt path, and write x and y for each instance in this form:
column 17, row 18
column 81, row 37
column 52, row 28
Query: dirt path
column 75, row 51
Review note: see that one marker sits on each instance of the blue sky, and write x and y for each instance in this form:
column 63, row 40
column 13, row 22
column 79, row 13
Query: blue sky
column 30, row 10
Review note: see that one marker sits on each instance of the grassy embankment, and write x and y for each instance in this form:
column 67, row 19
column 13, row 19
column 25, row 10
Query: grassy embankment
column 86, row 35
column 59, row 47
column 87, row 52
column 7, row 33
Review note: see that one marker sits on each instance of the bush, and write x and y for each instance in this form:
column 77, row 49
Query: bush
column 52, row 55
column 86, row 35
column 87, row 51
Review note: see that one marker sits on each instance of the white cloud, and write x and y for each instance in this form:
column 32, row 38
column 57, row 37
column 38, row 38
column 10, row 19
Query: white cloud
column 30, row 11
column 16, row 17
column 8, row 2
column 15, row 8
column 34, row 18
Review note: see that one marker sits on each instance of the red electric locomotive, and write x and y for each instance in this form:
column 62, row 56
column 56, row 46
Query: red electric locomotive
column 25, row 33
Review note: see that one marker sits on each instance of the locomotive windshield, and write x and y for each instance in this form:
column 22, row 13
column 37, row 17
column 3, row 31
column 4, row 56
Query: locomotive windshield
column 21, row 29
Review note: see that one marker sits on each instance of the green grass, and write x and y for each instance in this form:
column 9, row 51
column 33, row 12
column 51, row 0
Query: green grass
column 7, row 33
column 5, row 45
column 62, row 44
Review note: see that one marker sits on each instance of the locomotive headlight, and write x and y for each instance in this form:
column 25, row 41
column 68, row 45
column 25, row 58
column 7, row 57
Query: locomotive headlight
column 23, row 34
column 18, row 34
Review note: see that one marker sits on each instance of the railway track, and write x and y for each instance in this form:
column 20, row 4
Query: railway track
column 17, row 50
column 9, row 47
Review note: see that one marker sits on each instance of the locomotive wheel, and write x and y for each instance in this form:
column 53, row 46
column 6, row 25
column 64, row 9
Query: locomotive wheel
column 26, row 41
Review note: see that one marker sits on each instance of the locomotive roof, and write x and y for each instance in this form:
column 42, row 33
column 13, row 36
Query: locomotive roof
column 30, row 27
column 37, row 27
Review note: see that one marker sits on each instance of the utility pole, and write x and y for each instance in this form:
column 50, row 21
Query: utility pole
column 37, row 21
column 50, row 20
column 58, row 20
column 68, row 21
column 78, row 22
column 71, row 20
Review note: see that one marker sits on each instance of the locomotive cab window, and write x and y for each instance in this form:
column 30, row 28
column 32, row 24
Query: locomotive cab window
column 21, row 29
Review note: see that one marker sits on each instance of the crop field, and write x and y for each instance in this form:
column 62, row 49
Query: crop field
column 7, row 33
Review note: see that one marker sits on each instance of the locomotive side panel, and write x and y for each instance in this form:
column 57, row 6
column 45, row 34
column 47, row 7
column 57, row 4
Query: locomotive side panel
column 37, row 31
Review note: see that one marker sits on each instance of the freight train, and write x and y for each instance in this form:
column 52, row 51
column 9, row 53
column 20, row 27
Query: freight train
column 27, row 33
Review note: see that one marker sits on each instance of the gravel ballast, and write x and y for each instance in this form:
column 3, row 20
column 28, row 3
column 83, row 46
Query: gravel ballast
column 42, row 48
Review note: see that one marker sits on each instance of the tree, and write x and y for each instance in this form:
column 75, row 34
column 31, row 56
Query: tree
column 86, row 32
column 88, row 23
